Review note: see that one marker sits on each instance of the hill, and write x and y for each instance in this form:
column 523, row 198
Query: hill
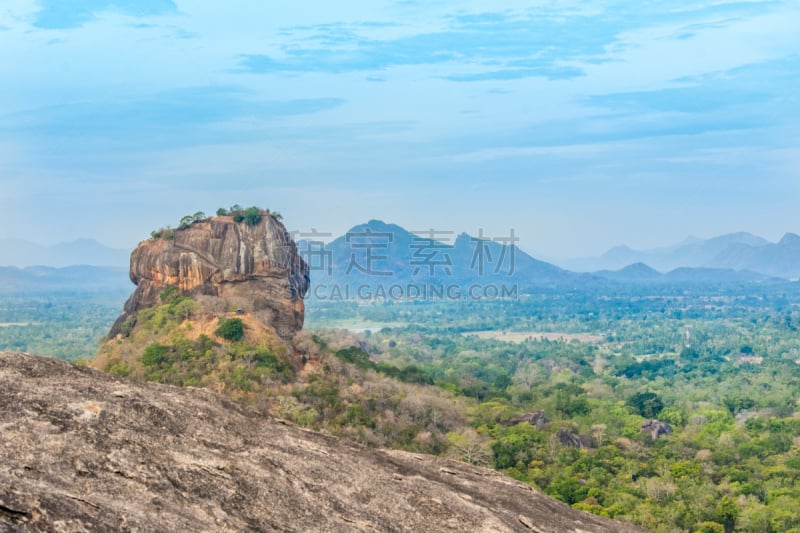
column 85, row 451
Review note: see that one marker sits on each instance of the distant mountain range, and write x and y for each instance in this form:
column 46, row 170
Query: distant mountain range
column 735, row 251
column 19, row 253
column 377, row 256
column 640, row 273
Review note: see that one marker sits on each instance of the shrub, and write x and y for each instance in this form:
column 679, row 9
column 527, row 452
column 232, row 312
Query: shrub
column 231, row 329
column 170, row 294
column 154, row 354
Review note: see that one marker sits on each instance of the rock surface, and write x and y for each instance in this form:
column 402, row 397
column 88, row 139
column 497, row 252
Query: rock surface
column 253, row 268
column 83, row 451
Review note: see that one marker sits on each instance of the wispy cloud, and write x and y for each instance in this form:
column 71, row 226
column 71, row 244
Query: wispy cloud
column 748, row 89
column 548, row 72
column 61, row 14
column 178, row 117
column 506, row 46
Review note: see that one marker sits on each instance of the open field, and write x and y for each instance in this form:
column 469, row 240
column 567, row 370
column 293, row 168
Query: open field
column 521, row 336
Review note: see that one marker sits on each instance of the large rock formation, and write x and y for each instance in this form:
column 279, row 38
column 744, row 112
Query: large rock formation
column 255, row 268
column 83, row 451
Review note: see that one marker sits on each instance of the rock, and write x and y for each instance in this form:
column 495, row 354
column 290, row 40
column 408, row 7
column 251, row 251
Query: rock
column 83, row 451
column 573, row 440
column 656, row 428
column 255, row 269
column 535, row 418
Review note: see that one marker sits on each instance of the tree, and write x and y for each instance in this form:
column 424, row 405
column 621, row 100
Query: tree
column 185, row 222
column 727, row 513
column 646, row 404
column 252, row 216
column 221, row 212
column 470, row 447
column 188, row 220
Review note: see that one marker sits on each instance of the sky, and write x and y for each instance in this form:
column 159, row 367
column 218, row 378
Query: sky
column 580, row 125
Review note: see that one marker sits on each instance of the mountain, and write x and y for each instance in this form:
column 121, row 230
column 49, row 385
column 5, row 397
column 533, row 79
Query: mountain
column 373, row 258
column 19, row 253
column 85, row 451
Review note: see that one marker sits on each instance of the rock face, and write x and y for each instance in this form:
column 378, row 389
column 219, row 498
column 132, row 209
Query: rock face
column 83, row 451
column 254, row 268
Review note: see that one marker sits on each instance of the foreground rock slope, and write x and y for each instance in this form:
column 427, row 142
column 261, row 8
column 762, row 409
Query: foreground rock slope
column 83, row 451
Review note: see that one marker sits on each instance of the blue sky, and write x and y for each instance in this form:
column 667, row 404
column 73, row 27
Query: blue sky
column 580, row 124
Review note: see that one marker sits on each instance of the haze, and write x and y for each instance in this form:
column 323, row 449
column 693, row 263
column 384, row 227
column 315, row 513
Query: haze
column 581, row 125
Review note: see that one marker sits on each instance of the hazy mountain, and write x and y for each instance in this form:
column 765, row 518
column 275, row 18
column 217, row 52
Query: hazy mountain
column 81, row 278
column 734, row 251
column 639, row 273
column 19, row 253
column 713, row 275
column 634, row 273
column 780, row 259
column 377, row 254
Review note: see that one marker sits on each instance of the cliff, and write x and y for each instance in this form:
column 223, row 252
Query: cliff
column 255, row 268
column 84, row 451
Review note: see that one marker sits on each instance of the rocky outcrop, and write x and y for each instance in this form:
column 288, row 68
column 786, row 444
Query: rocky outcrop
column 83, row 451
column 535, row 418
column 572, row 440
column 656, row 428
column 255, row 268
